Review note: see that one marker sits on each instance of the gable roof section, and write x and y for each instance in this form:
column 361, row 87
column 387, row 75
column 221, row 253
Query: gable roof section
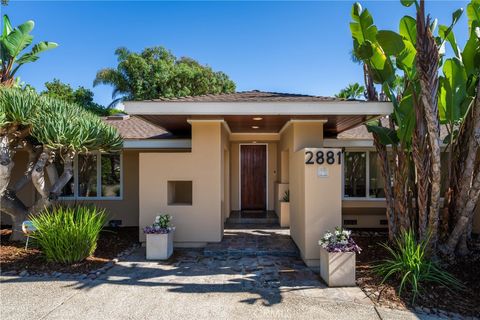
column 361, row 133
column 249, row 96
column 136, row 128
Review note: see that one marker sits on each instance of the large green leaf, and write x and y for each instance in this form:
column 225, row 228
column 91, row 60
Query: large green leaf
column 7, row 27
column 27, row 27
column 405, row 115
column 381, row 66
column 38, row 48
column 391, row 42
column 406, row 59
column 407, row 3
column 408, row 29
column 446, row 34
column 471, row 53
column 386, row 136
column 452, row 91
column 473, row 12
column 16, row 41
column 365, row 50
column 362, row 27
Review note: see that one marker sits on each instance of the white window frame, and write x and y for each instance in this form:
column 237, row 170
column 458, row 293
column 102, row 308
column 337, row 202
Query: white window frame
column 98, row 154
column 367, row 196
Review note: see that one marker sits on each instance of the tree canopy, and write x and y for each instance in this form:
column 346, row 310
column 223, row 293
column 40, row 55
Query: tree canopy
column 352, row 91
column 80, row 96
column 156, row 72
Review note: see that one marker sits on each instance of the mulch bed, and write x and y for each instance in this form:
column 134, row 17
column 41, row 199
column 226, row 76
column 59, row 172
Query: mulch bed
column 14, row 257
column 434, row 298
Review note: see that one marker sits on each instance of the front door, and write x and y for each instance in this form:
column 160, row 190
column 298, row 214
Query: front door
column 253, row 172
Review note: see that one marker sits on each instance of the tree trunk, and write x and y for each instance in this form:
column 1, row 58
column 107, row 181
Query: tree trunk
column 387, row 186
column 6, row 162
column 427, row 68
column 469, row 183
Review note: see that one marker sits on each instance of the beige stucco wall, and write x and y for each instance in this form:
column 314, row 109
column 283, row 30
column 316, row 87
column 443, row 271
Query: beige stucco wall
column 125, row 209
column 202, row 221
column 235, row 172
column 315, row 202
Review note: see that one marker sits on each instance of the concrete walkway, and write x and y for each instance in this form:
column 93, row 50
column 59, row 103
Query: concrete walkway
column 191, row 285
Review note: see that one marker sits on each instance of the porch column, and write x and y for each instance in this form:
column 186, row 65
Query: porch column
column 315, row 186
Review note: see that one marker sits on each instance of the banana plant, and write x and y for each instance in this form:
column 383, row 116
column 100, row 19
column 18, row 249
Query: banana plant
column 13, row 41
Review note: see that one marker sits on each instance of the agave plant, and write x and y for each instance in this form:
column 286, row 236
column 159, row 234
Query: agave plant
column 13, row 41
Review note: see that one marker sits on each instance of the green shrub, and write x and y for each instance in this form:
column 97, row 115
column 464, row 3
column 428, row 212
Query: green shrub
column 410, row 264
column 68, row 235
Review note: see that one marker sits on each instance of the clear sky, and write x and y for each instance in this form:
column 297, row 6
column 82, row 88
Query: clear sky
column 296, row 47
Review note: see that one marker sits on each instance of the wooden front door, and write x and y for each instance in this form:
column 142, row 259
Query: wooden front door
column 253, row 172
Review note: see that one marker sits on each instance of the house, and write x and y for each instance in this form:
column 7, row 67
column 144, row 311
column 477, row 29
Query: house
column 202, row 159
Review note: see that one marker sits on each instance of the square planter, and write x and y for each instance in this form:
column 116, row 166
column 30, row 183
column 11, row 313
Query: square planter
column 159, row 246
column 337, row 269
column 284, row 214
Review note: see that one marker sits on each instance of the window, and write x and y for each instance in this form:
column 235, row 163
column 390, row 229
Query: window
column 362, row 175
column 355, row 174
column 95, row 176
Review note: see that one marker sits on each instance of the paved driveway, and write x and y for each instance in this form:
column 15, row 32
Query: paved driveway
column 253, row 273
column 190, row 286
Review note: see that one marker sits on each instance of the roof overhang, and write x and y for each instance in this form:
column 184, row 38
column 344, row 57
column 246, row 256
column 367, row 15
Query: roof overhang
column 337, row 115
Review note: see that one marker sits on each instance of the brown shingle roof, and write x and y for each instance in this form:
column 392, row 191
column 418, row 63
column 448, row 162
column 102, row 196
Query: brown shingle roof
column 249, row 96
column 361, row 133
column 136, row 128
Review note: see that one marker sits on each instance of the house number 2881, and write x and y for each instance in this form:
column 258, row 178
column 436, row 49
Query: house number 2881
column 321, row 157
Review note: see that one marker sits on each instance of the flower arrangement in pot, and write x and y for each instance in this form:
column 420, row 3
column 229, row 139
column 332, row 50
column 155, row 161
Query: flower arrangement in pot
column 159, row 238
column 337, row 258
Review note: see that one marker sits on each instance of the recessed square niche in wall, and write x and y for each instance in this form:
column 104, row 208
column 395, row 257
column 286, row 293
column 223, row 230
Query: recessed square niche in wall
column 179, row 193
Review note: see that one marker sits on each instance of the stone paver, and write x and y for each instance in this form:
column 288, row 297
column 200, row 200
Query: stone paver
column 191, row 285
column 254, row 241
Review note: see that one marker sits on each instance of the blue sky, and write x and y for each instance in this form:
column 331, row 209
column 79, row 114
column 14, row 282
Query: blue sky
column 298, row 47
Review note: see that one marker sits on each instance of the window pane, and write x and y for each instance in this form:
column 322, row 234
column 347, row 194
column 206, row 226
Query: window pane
column 68, row 190
column 376, row 178
column 355, row 182
column 111, row 175
column 87, row 175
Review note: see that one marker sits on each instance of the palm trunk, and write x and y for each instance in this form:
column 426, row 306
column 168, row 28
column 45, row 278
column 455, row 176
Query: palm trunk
column 427, row 67
column 468, row 187
column 387, row 186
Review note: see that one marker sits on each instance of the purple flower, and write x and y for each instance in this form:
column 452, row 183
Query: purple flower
column 157, row 230
column 339, row 241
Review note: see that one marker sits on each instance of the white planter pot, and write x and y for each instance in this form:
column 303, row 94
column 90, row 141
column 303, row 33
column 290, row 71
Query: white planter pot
column 337, row 269
column 159, row 246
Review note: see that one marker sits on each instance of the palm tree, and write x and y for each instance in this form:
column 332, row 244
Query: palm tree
column 351, row 92
column 117, row 78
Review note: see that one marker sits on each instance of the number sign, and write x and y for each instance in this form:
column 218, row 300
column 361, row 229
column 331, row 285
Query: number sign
column 323, row 157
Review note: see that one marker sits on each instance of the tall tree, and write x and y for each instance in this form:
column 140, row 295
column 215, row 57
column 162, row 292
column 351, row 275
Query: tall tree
column 352, row 91
column 425, row 100
column 81, row 96
column 155, row 73
column 48, row 129
column 13, row 41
